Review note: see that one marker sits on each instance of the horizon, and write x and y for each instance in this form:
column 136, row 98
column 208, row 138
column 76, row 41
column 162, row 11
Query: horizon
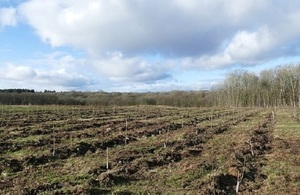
column 140, row 46
column 100, row 91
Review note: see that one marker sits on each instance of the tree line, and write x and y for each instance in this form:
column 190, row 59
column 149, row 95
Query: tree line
column 17, row 91
column 277, row 87
column 173, row 98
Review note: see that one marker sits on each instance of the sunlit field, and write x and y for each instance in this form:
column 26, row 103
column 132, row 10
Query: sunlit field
column 148, row 149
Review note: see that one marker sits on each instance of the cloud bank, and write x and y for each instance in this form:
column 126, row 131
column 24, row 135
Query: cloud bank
column 58, row 71
column 121, row 37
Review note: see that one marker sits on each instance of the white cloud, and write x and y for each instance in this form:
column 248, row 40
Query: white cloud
column 182, row 28
column 62, row 78
column 161, row 86
column 130, row 69
column 54, row 71
column 84, row 24
column 244, row 10
column 17, row 73
column 120, row 35
column 8, row 17
column 248, row 46
column 169, row 27
column 207, row 62
column 245, row 47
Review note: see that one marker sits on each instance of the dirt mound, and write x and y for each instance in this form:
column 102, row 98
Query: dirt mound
column 110, row 178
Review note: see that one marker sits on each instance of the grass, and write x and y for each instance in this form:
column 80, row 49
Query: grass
column 31, row 138
column 21, row 154
column 287, row 130
column 282, row 165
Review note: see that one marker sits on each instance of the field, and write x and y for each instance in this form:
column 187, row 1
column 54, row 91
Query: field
column 148, row 150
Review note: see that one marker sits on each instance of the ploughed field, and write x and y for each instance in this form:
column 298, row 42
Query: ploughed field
column 148, row 150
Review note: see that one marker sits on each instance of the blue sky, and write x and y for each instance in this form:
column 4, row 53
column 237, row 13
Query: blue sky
column 139, row 45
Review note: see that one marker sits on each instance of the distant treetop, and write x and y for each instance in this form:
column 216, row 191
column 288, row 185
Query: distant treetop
column 16, row 91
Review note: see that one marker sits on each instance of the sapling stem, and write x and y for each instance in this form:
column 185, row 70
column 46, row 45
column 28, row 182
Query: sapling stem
column 240, row 177
column 107, row 166
column 237, row 185
column 126, row 133
column 53, row 152
column 251, row 147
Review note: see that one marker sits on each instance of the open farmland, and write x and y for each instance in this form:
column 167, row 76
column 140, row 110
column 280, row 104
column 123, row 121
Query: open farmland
column 148, row 150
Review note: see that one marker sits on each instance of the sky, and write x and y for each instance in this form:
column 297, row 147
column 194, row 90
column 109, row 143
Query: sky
column 142, row 45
